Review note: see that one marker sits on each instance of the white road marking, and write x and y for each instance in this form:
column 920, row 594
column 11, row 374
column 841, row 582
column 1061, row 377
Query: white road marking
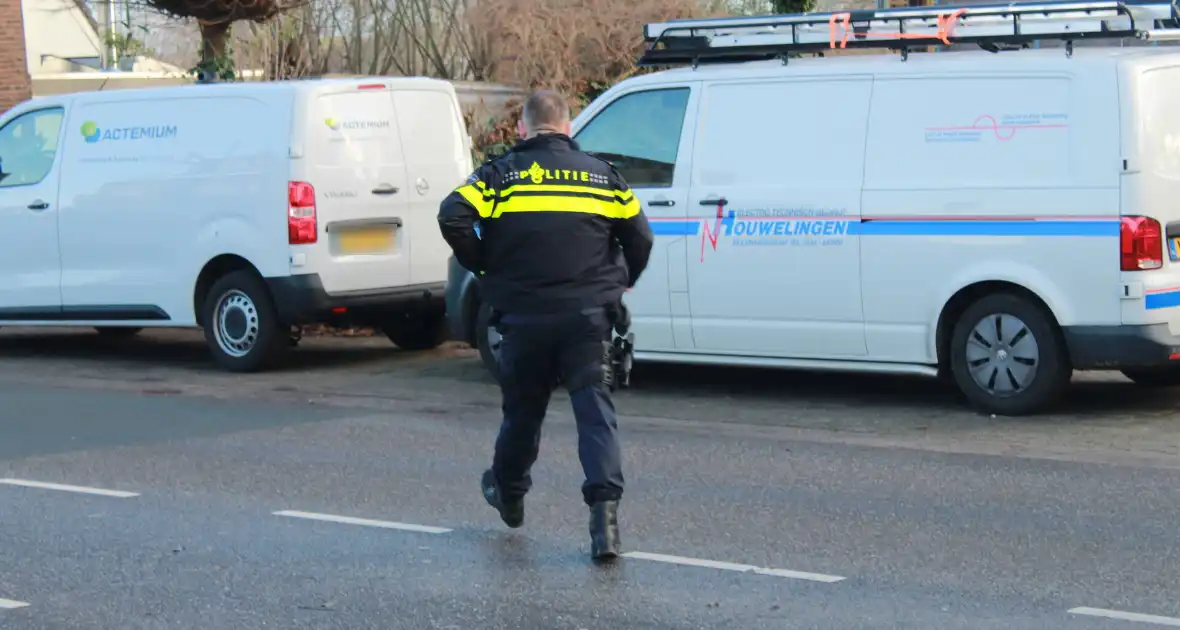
column 11, row 603
column 79, row 489
column 1127, row 616
column 349, row 520
column 730, row 566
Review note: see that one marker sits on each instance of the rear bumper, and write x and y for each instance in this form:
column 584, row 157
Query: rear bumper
column 303, row 300
column 1120, row 347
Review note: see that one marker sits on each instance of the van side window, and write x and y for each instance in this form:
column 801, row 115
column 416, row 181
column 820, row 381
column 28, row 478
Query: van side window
column 28, row 145
column 640, row 134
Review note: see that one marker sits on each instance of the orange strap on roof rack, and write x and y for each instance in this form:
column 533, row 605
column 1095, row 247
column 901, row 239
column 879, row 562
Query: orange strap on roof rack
column 946, row 29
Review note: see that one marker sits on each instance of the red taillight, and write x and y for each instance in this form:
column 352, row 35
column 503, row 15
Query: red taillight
column 301, row 223
column 1141, row 245
column 371, row 86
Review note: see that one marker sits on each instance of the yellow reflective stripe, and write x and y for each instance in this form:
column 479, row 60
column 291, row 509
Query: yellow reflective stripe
column 539, row 203
column 555, row 188
column 630, row 208
column 481, row 202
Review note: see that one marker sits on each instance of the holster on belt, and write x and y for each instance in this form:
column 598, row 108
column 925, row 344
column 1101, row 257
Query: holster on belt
column 619, row 316
column 617, row 352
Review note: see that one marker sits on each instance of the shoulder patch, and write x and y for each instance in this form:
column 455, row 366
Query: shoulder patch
column 495, row 158
column 605, row 161
column 471, row 179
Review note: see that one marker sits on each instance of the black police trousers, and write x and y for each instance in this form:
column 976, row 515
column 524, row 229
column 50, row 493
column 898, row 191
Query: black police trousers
column 536, row 351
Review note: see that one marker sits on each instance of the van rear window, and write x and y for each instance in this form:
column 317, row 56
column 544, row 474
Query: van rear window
column 1159, row 122
column 355, row 126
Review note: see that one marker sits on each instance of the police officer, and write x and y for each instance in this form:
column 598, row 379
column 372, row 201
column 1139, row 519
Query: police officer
column 561, row 238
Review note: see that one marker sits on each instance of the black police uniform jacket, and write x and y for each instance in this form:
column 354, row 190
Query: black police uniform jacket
column 552, row 221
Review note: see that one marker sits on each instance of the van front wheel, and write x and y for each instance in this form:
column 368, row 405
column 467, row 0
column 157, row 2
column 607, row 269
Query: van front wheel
column 1007, row 357
column 241, row 326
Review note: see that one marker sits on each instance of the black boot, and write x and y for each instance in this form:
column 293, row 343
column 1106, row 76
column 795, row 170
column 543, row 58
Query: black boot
column 604, row 530
column 511, row 511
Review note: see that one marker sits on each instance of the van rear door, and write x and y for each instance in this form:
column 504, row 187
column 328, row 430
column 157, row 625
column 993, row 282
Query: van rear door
column 1150, row 262
column 353, row 158
column 438, row 159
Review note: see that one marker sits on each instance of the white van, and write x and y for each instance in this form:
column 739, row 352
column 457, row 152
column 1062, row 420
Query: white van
column 246, row 209
column 1000, row 219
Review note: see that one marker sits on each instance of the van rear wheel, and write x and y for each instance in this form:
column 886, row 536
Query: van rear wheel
column 241, row 326
column 1007, row 356
column 417, row 331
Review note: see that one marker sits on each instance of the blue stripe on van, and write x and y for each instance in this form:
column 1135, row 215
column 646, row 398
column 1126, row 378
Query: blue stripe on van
column 989, row 228
column 938, row 227
column 660, row 227
column 1162, row 299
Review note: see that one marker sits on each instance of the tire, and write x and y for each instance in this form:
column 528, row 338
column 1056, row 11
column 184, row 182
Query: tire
column 1157, row 377
column 1039, row 384
column 417, row 331
column 241, row 326
column 118, row 332
column 487, row 340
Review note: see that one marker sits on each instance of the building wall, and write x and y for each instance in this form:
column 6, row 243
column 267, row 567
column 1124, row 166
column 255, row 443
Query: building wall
column 57, row 30
column 14, row 73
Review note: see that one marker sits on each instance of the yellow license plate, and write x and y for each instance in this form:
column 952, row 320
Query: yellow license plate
column 366, row 241
column 1174, row 250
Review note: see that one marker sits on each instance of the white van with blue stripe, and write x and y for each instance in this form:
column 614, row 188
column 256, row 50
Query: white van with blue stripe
column 1001, row 218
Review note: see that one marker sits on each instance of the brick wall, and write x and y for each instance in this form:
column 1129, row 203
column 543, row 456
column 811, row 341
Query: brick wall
column 14, row 73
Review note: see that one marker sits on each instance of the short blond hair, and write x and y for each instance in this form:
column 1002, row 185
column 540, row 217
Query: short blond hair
column 545, row 109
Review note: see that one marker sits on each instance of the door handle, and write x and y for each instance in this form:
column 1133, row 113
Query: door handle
column 385, row 189
column 38, row 205
column 661, row 202
column 715, row 202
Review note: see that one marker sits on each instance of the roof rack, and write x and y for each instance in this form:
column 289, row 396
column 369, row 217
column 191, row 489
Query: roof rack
column 991, row 26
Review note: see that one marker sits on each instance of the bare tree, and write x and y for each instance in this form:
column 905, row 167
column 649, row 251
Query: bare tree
column 302, row 42
column 577, row 46
column 214, row 19
column 373, row 37
column 793, row 6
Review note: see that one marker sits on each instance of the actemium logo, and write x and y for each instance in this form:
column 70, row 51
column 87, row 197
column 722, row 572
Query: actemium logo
column 355, row 125
column 90, row 131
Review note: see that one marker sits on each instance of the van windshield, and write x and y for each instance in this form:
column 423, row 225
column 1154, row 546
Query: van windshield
column 639, row 134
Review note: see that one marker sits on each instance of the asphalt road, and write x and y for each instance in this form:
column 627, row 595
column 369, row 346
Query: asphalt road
column 183, row 532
